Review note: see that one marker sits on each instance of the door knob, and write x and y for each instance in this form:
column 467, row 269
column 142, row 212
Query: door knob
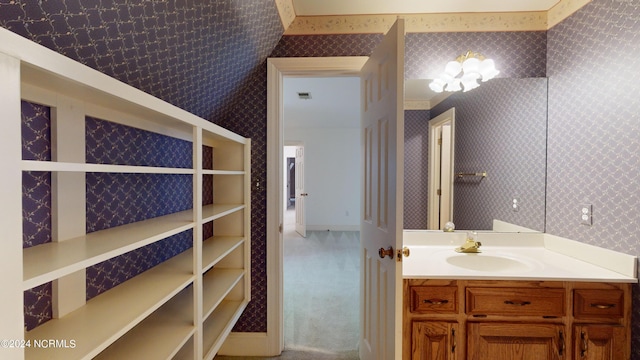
column 388, row 252
column 304, row 194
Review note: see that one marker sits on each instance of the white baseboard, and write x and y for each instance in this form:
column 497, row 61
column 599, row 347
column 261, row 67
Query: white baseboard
column 248, row 344
column 333, row 227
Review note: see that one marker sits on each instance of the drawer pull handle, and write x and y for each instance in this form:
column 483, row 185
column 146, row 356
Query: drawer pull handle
column 603, row 306
column 517, row 302
column 453, row 340
column 585, row 347
column 435, row 301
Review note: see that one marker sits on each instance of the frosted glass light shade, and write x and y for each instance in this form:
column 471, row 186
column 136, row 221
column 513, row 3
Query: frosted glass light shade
column 470, row 81
column 471, row 65
column 488, row 70
column 454, row 85
column 464, row 73
column 453, row 68
column 437, row 85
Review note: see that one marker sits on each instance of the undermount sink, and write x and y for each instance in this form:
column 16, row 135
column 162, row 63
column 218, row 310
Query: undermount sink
column 482, row 262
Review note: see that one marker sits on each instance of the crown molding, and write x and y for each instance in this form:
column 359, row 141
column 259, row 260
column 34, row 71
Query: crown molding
column 426, row 23
column 286, row 11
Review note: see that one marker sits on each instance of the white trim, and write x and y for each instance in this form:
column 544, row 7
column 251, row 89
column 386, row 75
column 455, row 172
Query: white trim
column 246, row 344
column 333, row 227
column 277, row 68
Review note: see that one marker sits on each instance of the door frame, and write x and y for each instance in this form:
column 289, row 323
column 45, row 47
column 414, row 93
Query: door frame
column 271, row 343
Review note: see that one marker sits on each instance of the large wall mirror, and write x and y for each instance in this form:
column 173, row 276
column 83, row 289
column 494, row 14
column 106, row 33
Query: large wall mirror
column 500, row 131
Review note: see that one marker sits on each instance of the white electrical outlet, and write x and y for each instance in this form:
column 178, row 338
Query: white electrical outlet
column 586, row 214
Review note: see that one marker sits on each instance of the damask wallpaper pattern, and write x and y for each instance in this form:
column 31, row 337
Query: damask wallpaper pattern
column 193, row 54
column 36, row 204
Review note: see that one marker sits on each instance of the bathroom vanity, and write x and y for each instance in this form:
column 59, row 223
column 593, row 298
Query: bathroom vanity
column 525, row 296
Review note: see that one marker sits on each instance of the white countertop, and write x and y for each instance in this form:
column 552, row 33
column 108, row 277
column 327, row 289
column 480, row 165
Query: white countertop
column 513, row 256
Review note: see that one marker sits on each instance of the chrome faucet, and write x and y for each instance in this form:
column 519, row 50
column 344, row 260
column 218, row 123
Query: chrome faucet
column 470, row 245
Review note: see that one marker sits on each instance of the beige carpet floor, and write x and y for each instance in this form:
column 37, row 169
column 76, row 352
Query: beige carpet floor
column 321, row 295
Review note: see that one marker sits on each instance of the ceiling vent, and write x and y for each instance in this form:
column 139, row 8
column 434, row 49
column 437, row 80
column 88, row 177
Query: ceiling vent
column 304, row 95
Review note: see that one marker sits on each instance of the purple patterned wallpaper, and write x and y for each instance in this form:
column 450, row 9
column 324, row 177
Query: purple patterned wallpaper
column 36, row 204
column 501, row 129
column 518, row 54
column 193, row 54
column 594, row 130
column 416, row 168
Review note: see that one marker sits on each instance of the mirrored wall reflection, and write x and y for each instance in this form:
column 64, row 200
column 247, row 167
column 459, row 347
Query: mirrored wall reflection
column 500, row 129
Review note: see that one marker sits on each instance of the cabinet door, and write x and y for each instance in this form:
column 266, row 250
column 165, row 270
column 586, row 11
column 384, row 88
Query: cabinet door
column 515, row 341
column 600, row 342
column 434, row 340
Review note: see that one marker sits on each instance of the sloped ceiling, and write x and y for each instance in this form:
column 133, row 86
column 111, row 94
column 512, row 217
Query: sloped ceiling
column 197, row 55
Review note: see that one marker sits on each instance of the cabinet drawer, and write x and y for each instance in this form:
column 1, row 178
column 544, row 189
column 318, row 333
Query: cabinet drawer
column 434, row 299
column 516, row 301
column 590, row 303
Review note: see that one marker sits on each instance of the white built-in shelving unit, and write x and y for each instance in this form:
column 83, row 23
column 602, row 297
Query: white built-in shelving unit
column 183, row 308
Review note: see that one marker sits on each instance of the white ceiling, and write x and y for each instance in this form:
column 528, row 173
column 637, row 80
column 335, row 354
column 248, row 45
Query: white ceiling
column 334, row 103
column 369, row 7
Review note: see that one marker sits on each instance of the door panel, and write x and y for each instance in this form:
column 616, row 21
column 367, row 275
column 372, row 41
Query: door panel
column 301, row 216
column 381, row 225
column 515, row 341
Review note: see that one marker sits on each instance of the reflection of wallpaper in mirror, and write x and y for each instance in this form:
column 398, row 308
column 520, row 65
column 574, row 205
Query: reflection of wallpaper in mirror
column 501, row 129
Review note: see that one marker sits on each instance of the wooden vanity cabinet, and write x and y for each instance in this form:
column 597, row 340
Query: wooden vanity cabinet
column 601, row 318
column 516, row 320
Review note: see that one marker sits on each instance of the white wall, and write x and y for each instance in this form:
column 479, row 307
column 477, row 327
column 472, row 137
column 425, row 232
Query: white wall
column 328, row 125
column 332, row 176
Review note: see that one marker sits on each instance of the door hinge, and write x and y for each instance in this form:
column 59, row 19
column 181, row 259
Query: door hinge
column 439, row 141
column 439, row 192
column 280, row 228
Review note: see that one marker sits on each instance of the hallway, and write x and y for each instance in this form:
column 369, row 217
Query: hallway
column 321, row 295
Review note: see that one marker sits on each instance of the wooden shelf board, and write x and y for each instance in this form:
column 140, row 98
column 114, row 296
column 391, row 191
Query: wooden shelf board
column 186, row 353
column 222, row 172
column 52, row 166
column 216, row 284
column 110, row 315
column 50, row 261
column 217, row 247
column 160, row 336
column 219, row 325
column 212, row 212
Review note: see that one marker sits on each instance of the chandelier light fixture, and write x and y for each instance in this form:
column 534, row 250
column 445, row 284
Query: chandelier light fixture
column 464, row 72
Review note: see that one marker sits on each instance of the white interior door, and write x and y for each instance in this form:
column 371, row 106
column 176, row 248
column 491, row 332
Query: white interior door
column 441, row 167
column 381, row 224
column 301, row 222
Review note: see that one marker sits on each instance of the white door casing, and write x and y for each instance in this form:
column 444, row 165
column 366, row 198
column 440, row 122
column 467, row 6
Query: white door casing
column 382, row 210
column 271, row 342
column 301, row 222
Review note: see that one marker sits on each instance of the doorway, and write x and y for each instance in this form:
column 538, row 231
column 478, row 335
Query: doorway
column 321, row 255
column 272, row 342
column 441, row 167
